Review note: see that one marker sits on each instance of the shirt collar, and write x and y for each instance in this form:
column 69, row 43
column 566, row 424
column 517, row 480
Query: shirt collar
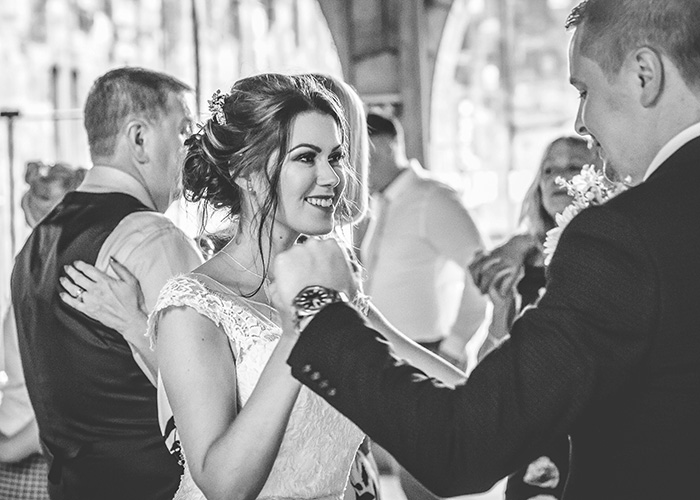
column 672, row 146
column 103, row 179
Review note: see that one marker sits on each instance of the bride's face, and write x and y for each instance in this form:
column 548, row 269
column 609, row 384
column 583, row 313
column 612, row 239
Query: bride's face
column 312, row 176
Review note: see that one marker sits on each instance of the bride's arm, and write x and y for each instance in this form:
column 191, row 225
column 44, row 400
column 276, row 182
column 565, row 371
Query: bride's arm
column 418, row 356
column 230, row 454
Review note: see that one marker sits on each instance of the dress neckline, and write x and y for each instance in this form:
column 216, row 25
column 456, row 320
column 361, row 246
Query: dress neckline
column 228, row 294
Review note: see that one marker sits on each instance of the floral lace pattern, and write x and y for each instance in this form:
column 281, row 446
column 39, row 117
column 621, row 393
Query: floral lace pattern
column 319, row 444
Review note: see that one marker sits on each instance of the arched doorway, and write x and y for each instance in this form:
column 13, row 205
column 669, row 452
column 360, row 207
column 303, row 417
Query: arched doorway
column 500, row 93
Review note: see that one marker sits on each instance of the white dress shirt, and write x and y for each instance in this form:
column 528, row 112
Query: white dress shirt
column 147, row 243
column 16, row 410
column 416, row 254
column 676, row 143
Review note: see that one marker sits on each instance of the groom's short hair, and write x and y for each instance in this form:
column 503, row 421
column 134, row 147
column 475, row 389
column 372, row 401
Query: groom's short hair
column 613, row 28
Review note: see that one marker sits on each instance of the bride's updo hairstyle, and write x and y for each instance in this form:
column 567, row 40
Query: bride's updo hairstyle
column 248, row 127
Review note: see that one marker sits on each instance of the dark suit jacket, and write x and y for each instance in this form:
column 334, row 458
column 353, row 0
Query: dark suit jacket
column 610, row 355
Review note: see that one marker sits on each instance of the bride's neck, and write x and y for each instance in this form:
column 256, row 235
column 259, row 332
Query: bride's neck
column 246, row 247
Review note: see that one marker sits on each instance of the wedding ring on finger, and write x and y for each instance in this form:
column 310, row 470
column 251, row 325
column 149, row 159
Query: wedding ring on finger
column 80, row 295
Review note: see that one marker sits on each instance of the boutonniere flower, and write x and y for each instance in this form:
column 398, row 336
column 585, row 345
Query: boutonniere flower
column 589, row 187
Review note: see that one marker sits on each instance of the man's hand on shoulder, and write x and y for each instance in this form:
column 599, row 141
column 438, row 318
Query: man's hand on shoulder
column 315, row 262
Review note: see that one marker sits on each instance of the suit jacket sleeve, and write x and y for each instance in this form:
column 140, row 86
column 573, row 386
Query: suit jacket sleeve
column 582, row 343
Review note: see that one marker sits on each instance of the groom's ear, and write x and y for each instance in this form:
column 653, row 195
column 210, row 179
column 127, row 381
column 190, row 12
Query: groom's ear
column 136, row 131
column 649, row 69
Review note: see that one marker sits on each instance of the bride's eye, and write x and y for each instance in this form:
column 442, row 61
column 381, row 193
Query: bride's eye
column 307, row 157
column 336, row 159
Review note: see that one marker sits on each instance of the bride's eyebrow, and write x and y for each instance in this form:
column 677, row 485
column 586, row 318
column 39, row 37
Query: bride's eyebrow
column 305, row 145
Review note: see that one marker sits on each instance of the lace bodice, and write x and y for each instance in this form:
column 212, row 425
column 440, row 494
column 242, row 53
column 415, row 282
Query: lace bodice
column 319, row 444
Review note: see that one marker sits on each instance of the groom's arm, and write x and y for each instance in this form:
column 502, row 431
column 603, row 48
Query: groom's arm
column 581, row 343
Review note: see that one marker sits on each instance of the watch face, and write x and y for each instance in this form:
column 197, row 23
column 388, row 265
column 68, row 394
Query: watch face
column 313, row 298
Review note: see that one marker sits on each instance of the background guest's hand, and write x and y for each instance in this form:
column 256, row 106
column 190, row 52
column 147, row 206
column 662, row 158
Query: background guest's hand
column 115, row 302
column 486, row 268
column 315, row 262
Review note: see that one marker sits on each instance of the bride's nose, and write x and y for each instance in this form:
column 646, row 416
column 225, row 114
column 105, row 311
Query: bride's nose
column 326, row 175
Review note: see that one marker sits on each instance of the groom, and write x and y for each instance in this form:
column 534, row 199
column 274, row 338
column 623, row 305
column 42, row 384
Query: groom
column 611, row 354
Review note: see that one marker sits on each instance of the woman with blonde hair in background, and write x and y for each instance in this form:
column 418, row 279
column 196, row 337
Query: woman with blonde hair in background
column 513, row 275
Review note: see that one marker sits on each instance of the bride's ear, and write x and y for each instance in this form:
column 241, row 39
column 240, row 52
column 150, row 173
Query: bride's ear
column 245, row 183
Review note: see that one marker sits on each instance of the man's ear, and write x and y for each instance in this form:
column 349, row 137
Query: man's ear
column 649, row 68
column 136, row 131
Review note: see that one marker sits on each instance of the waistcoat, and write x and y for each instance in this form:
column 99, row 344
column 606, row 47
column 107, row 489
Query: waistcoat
column 95, row 408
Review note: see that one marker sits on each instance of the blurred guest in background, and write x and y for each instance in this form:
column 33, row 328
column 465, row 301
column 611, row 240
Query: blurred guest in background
column 519, row 261
column 416, row 250
column 48, row 183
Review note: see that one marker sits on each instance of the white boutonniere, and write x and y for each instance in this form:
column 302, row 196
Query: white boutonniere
column 590, row 187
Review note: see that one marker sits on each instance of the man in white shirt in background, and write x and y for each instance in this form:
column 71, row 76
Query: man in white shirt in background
column 416, row 251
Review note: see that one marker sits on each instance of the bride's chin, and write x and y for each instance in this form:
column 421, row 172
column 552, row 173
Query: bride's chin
column 319, row 232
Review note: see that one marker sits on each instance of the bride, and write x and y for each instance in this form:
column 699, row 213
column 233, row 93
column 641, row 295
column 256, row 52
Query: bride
column 274, row 155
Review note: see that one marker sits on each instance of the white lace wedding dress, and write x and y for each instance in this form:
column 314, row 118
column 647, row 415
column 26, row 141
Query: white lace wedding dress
column 319, row 444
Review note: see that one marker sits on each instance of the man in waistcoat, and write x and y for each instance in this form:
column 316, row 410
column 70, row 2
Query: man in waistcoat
column 93, row 390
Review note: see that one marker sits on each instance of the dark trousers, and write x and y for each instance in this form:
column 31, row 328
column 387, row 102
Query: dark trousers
column 116, row 470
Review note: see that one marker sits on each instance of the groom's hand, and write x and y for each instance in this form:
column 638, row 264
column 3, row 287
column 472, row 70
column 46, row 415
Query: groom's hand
column 315, row 262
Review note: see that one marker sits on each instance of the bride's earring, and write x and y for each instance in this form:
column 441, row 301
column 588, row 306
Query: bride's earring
column 249, row 186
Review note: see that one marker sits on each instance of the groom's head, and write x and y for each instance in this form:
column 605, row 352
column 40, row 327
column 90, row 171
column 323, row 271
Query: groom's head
column 636, row 65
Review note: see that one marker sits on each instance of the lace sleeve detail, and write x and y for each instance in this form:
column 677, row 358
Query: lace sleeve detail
column 242, row 327
column 184, row 291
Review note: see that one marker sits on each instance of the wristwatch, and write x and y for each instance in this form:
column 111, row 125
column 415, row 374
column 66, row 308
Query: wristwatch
column 311, row 300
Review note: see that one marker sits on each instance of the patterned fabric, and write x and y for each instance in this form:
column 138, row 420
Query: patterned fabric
column 25, row 480
column 319, row 445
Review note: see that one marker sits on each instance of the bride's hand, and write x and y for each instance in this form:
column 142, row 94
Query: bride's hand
column 117, row 303
column 314, row 262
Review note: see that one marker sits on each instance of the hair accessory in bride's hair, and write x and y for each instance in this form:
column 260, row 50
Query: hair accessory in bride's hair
column 216, row 106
